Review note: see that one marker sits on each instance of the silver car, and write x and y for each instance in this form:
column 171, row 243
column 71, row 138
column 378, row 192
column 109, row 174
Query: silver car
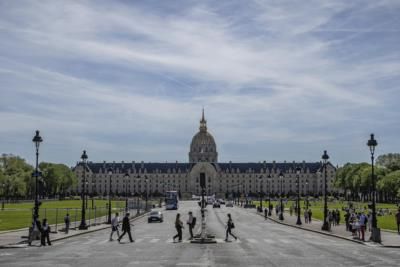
column 155, row 216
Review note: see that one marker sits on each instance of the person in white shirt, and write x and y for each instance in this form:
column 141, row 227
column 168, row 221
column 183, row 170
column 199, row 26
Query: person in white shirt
column 114, row 226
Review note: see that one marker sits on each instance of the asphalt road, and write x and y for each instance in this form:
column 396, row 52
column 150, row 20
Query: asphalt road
column 260, row 243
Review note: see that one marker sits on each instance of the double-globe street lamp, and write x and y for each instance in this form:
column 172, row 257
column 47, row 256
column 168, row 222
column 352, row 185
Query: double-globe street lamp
column 281, row 205
column 146, row 180
column 298, row 170
column 325, row 225
column 269, row 194
column 375, row 234
column 83, row 225
column 126, row 191
column 37, row 139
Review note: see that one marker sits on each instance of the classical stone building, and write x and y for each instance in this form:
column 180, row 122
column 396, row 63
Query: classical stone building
column 222, row 179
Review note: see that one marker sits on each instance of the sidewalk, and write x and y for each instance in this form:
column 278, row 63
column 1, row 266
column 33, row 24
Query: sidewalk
column 389, row 239
column 19, row 238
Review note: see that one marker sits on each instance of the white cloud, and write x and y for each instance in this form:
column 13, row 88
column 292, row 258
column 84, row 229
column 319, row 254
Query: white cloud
column 303, row 85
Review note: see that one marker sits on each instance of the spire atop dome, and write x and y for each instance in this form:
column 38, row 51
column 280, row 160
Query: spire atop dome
column 203, row 123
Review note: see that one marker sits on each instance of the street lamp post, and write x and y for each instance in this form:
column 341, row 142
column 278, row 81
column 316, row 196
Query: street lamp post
column 298, row 170
column 307, row 193
column 110, row 172
column 83, row 225
column 126, row 191
column 376, row 233
column 37, row 139
column 281, row 206
column 146, row 180
column 269, row 194
column 260, row 192
column 325, row 225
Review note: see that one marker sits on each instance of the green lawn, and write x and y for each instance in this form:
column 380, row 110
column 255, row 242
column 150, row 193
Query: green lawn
column 19, row 215
column 317, row 207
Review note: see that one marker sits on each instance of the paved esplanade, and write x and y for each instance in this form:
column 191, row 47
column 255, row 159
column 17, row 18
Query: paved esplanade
column 260, row 244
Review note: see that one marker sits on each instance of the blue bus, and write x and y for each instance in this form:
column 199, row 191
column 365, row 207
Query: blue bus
column 171, row 200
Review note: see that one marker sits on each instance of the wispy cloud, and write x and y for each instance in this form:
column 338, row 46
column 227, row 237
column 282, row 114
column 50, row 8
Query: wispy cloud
column 128, row 81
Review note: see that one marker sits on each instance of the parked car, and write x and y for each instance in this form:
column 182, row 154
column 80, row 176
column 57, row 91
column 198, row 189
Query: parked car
column 229, row 204
column 155, row 216
column 216, row 205
column 221, row 201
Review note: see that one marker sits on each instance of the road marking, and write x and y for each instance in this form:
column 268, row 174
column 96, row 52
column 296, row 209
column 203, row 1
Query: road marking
column 285, row 241
column 155, row 240
column 138, row 240
column 250, row 240
column 192, row 264
column 169, row 241
column 89, row 242
column 269, row 241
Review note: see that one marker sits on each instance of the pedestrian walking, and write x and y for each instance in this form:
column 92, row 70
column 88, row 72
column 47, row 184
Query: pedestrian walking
column 398, row 221
column 265, row 213
column 229, row 226
column 126, row 228
column 45, row 233
column 334, row 218
column 369, row 223
column 330, row 219
column 291, row 210
column 337, row 217
column 191, row 222
column 309, row 215
column 114, row 226
column 305, row 216
column 363, row 223
column 67, row 223
column 178, row 227
column 36, row 229
column 347, row 220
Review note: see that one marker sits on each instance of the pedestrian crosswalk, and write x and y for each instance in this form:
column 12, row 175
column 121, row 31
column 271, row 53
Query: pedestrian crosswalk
column 152, row 240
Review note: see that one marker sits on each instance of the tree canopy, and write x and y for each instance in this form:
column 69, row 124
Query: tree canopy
column 16, row 179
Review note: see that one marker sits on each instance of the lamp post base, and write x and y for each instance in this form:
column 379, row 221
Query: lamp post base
column 281, row 217
column 325, row 226
column 83, row 226
column 298, row 221
column 376, row 235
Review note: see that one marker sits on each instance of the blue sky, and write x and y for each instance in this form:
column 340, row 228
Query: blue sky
column 126, row 80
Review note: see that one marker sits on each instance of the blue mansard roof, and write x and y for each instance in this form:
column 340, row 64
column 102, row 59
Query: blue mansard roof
column 172, row 167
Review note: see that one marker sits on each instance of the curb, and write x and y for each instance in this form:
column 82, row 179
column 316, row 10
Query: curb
column 77, row 234
column 329, row 234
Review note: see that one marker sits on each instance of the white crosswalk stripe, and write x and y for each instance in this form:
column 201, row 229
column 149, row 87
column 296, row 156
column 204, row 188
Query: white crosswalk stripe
column 138, row 240
column 250, row 240
column 104, row 241
column 89, row 242
column 154, row 240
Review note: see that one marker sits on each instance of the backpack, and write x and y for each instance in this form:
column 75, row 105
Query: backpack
column 232, row 225
column 194, row 221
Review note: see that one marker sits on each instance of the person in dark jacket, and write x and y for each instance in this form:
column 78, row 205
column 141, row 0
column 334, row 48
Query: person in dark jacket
column 178, row 226
column 229, row 226
column 126, row 228
column 45, row 233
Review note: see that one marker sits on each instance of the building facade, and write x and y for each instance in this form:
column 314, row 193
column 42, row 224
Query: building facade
column 222, row 179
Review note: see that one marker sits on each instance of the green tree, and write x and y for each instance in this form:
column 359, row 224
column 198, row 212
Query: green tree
column 56, row 178
column 15, row 173
column 389, row 161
